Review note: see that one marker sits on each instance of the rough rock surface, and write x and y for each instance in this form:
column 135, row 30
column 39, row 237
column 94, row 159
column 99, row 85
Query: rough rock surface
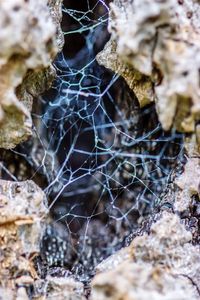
column 55, row 7
column 162, row 43
column 138, row 82
column 157, row 51
column 22, row 223
column 61, row 288
column 23, row 219
column 188, row 184
column 141, row 282
column 162, row 260
column 160, row 265
column 25, row 58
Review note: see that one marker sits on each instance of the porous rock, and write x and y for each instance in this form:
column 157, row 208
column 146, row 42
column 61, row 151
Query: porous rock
column 64, row 288
column 55, row 7
column 28, row 44
column 160, row 265
column 22, row 223
column 160, row 40
column 138, row 82
column 188, row 184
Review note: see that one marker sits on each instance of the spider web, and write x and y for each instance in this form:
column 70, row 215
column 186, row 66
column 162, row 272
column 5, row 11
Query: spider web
column 102, row 161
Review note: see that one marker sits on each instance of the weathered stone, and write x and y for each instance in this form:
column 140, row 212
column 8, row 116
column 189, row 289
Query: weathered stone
column 28, row 45
column 60, row 288
column 188, row 184
column 55, row 7
column 139, row 83
column 162, row 43
column 22, row 223
column 160, row 265
column 141, row 282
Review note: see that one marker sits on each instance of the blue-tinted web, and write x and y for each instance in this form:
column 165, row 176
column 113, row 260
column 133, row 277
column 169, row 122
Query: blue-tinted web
column 106, row 162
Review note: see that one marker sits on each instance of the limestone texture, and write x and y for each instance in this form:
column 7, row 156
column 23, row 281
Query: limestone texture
column 61, row 288
column 162, row 259
column 22, row 223
column 30, row 37
column 155, row 46
column 159, row 40
column 161, row 264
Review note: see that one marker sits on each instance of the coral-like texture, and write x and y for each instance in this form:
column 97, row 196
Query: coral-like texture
column 28, row 45
column 138, row 82
column 160, row 265
column 160, row 39
column 22, row 223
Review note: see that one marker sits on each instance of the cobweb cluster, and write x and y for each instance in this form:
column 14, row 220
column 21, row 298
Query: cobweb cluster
column 102, row 161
